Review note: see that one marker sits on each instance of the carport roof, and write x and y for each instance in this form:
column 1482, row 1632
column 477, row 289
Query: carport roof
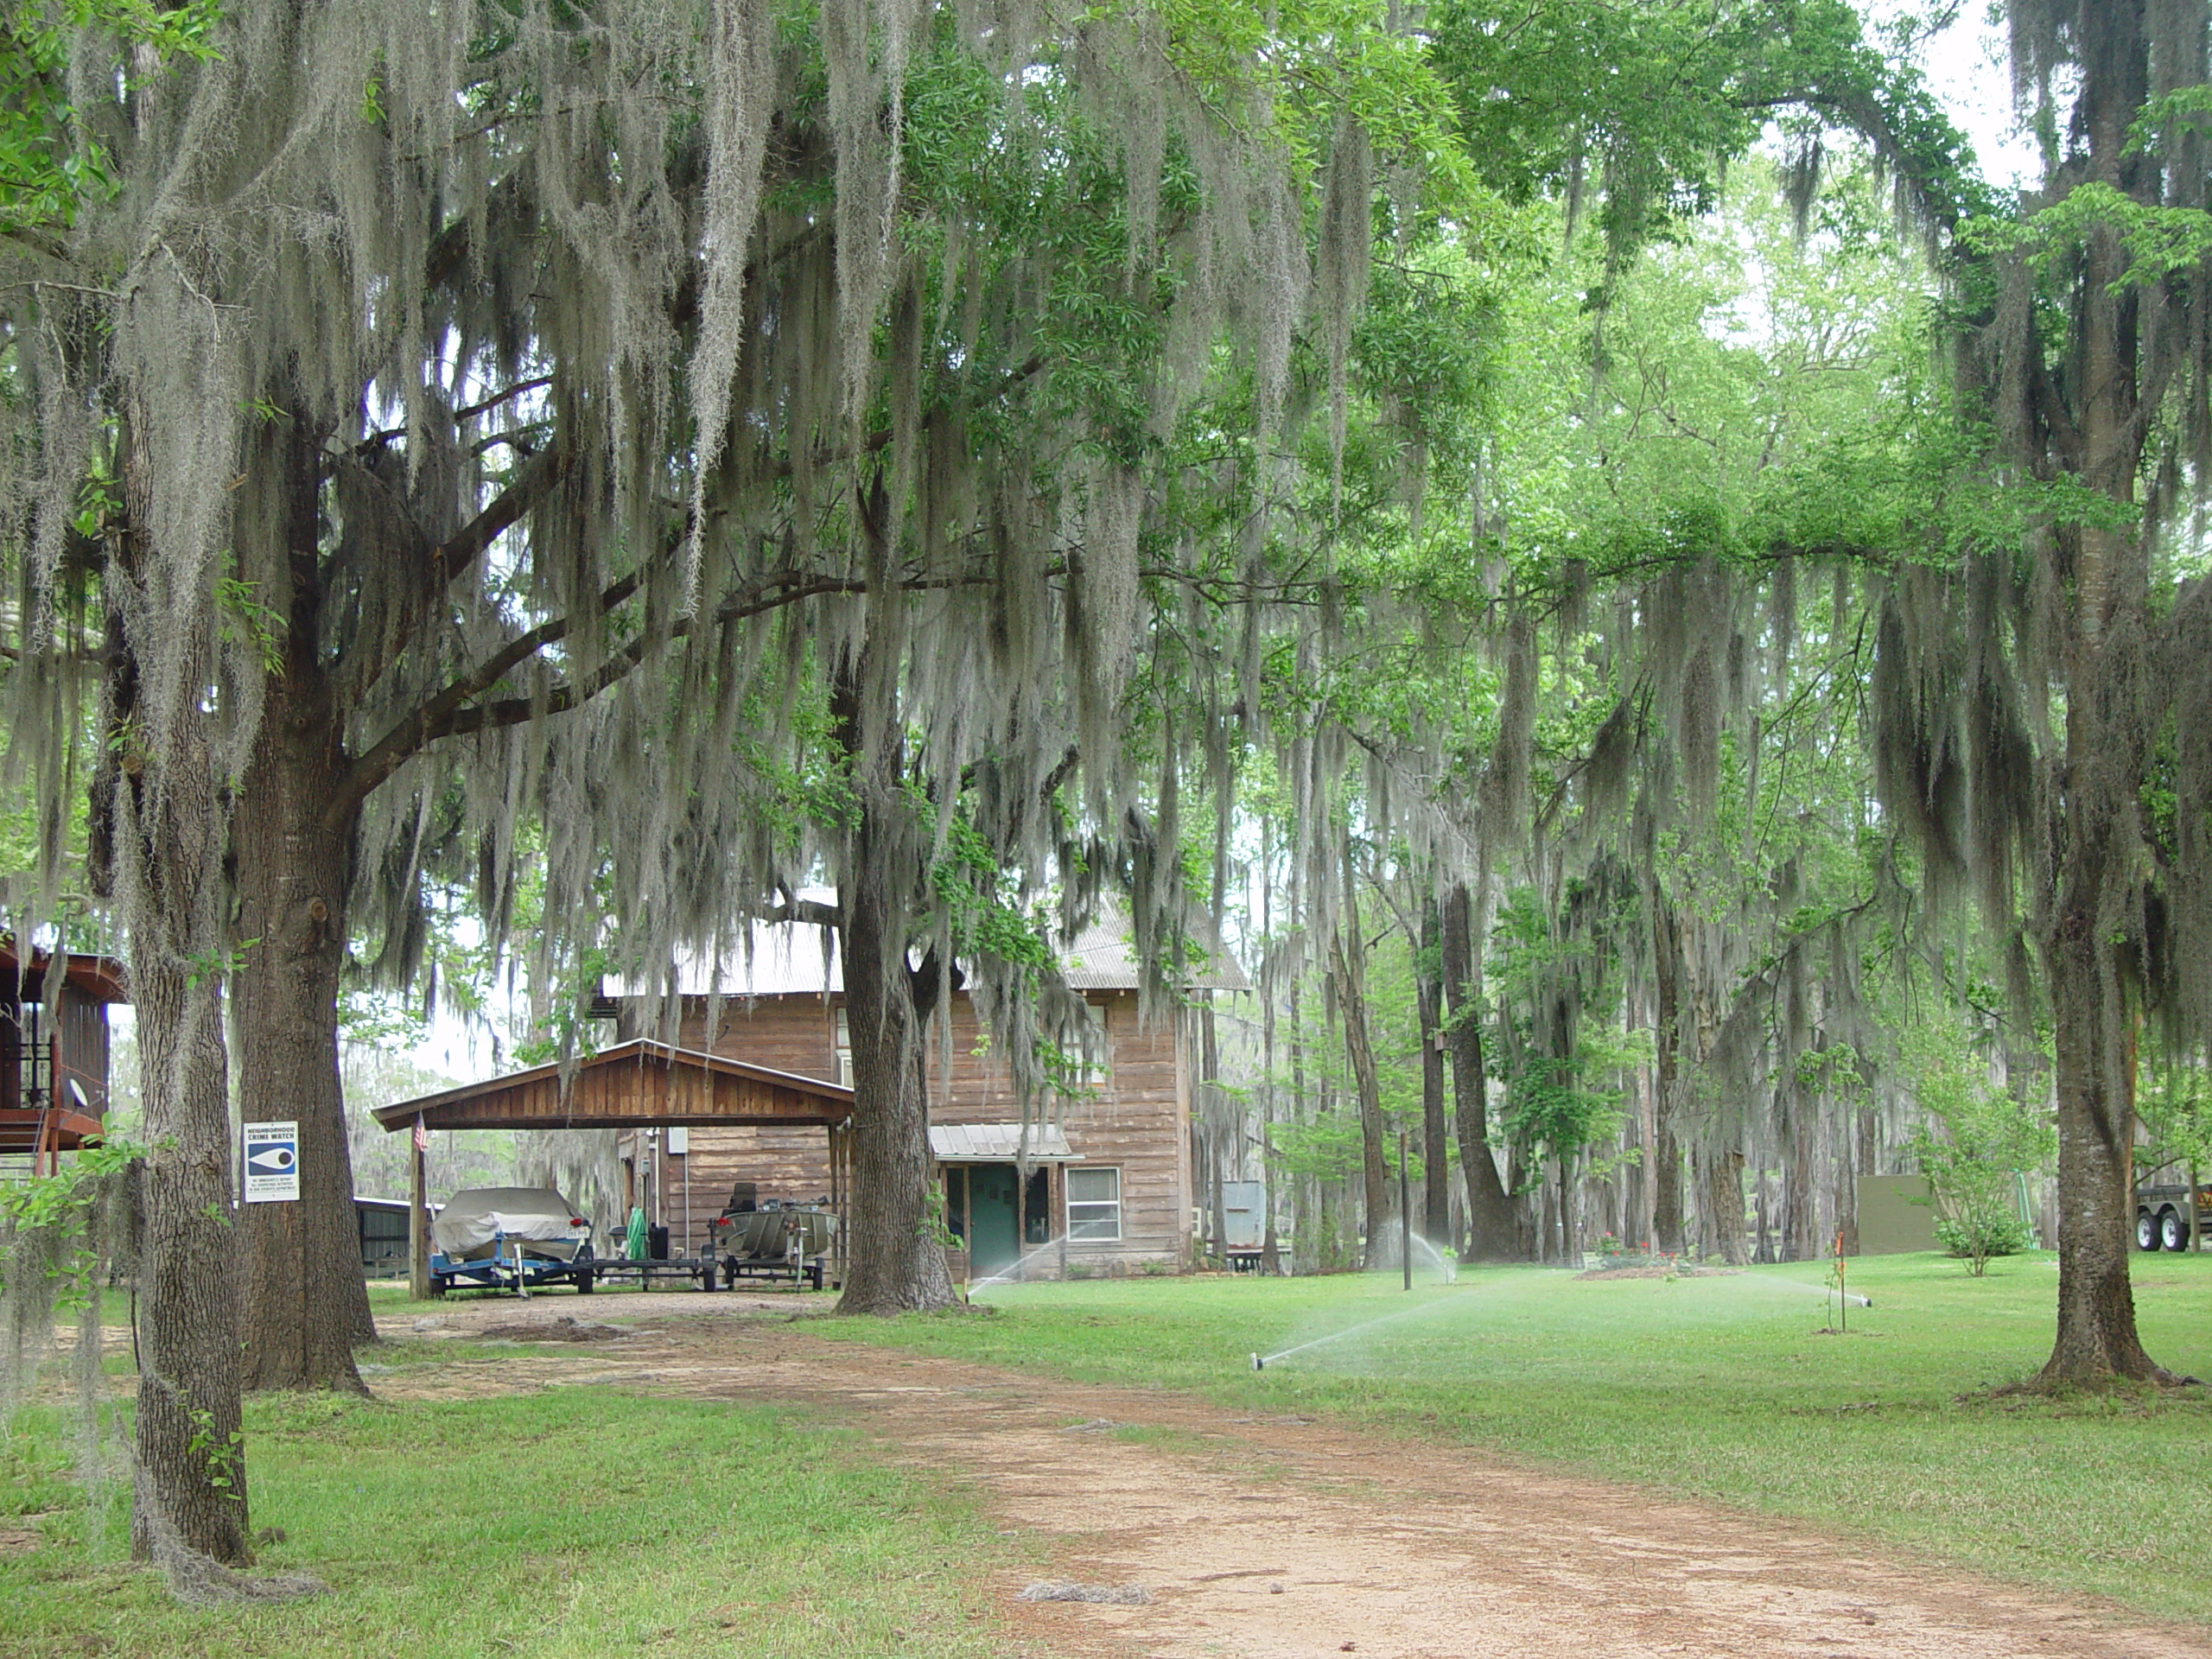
column 629, row 1086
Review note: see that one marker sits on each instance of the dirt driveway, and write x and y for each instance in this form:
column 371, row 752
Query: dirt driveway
column 1282, row 1537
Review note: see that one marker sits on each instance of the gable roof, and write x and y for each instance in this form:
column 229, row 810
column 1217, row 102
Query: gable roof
column 1104, row 958
column 637, row 1083
column 800, row 959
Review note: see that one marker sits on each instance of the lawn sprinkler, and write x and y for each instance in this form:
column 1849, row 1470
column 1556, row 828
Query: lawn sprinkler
column 1259, row 1364
column 1839, row 1285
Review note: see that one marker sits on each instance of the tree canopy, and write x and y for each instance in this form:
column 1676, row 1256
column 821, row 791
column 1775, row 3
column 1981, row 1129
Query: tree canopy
column 1579, row 537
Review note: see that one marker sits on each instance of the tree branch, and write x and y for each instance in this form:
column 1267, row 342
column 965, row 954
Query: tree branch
column 808, row 912
column 468, row 543
column 449, row 714
column 498, row 398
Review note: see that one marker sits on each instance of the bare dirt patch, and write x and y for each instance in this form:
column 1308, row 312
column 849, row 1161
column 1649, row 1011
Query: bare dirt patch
column 20, row 1536
column 559, row 1328
column 1284, row 1537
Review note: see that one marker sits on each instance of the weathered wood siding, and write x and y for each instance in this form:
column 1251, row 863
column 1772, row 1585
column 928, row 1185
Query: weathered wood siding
column 80, row 1049
column 71, row 1045
column 1137, row 1123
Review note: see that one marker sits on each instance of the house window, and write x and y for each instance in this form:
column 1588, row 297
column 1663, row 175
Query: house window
column 844, row 1037
column 1094, row 1203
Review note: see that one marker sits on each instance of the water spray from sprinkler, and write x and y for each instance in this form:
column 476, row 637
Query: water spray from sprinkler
column 1260, row 1361
column 1405, row 1213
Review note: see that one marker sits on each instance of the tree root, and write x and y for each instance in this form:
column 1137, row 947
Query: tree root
column 199, row 1581
column 2045, row 1386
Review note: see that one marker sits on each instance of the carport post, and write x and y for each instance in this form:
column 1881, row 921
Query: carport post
column 418, row 1220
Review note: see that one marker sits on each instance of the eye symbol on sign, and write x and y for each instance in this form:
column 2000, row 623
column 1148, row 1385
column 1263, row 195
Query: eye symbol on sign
column 271, row 1158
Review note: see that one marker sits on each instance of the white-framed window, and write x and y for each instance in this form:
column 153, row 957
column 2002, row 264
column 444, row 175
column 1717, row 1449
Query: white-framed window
column 1094, row 1202
column 843, row 1035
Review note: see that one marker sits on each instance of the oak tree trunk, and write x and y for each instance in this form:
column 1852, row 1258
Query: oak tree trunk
column 1352, row 1005
column 895, row 1263
column 895, row 1260
column 1492, row 1235
column 1666, row 1172
column 1725, row 1201
column 306, row 1304
column 190, row 1480
column 2096, row 1304
column 2105, row 755
column 1435, row 1172
column 1218, row 1137
column 1801, row 1197
column 2096, row 1336
column 165, row 832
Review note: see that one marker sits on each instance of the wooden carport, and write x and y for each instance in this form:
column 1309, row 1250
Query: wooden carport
column 638, row 1084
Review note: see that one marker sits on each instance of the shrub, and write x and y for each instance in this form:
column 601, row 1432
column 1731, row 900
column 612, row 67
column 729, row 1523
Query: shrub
column 1989, row 1139
column 1982, row 1233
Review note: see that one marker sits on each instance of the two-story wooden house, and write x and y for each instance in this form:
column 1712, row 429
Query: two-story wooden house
column 1104, row 1188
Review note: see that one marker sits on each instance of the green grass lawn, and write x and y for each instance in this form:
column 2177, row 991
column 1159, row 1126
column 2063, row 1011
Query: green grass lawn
column 577, row 1523
column 1715, row 1388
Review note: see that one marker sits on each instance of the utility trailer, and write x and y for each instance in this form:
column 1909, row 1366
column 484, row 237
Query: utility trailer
column 517, row 1238
column 2163, row 1212
column 772, row 1241
column 514, row 1266
column 699, row 1269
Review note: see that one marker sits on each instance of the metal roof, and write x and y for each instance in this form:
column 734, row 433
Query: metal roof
column 1104, row 959
column 800, row 959
column 1000, row 1143
column 784, row 959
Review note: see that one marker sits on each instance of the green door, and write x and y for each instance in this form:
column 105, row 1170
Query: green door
column 994, row 1241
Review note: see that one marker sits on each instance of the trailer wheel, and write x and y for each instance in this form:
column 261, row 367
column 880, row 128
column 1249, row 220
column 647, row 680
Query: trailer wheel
column 2147, row 1230
column 2173, row 1230
column 437, row 1285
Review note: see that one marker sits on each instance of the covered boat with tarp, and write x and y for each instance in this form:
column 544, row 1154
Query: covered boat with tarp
column 510, row 1237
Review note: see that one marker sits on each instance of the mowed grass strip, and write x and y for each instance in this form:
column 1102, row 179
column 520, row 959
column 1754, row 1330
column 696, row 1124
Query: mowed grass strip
column 1715, row 1388
column 577, row 1523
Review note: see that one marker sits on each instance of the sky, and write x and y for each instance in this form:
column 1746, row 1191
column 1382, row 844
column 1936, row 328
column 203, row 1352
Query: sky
column 1968, row 69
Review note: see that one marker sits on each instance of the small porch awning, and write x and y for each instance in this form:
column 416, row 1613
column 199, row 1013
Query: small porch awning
column 632, row 1085
column 1000, row 1143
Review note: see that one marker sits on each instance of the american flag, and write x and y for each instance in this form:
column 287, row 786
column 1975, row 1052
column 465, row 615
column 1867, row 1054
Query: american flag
column 422, row 1135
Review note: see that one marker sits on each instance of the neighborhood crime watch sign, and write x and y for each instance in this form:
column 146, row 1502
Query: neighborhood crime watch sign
column 272, row 1162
